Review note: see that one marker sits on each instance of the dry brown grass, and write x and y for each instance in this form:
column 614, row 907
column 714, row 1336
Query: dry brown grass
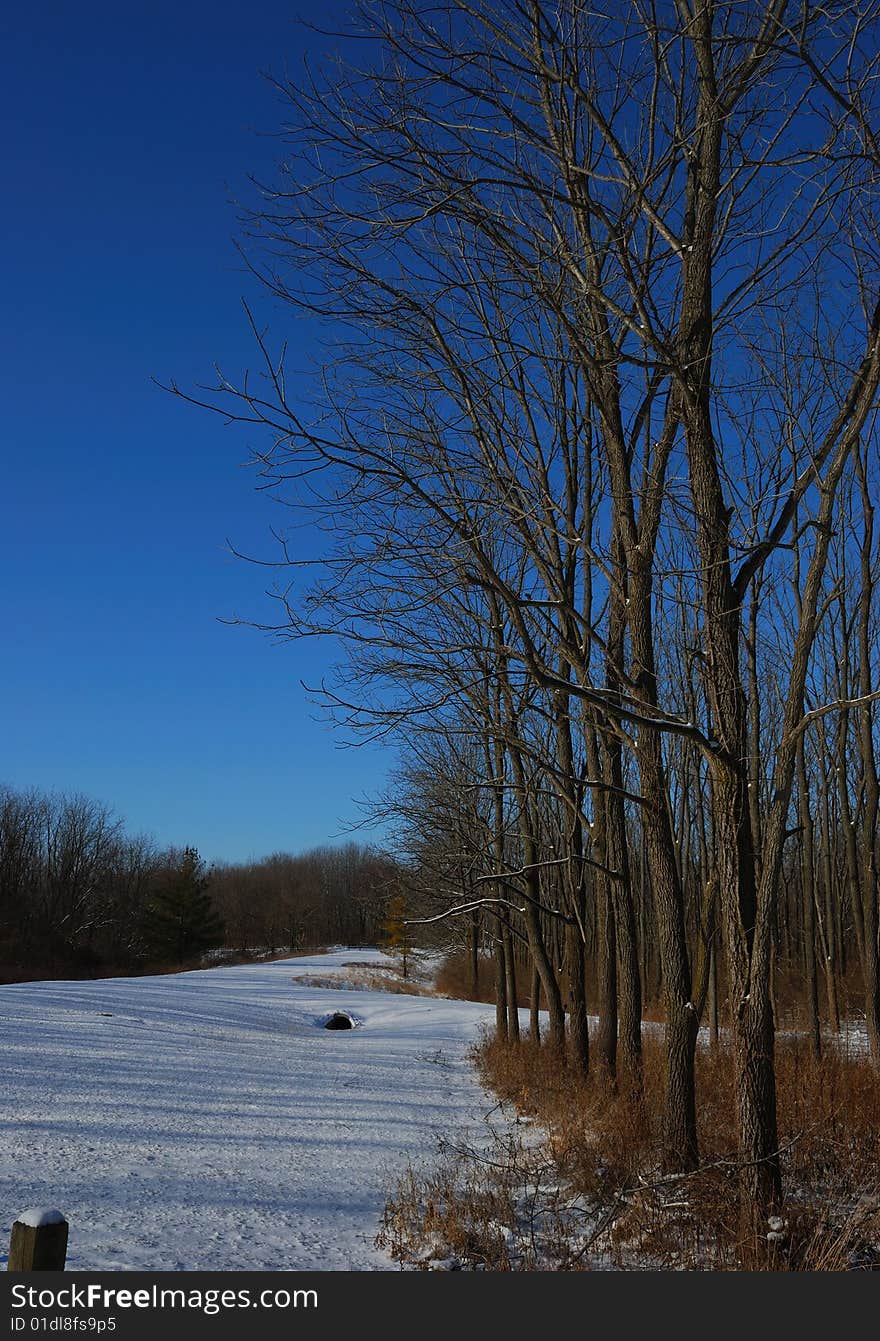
column 363, row 978
column 591, row 1171
column 455, row 979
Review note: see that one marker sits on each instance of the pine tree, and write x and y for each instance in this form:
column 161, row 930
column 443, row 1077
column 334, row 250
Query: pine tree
column 181, row 921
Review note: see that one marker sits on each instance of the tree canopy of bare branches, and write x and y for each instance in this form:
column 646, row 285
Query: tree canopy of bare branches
column 594, row 452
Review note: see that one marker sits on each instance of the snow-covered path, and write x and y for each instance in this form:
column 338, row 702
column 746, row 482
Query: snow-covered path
column 206, row 1120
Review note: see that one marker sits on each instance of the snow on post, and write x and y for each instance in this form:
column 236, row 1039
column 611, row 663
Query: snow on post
column 39, row 1241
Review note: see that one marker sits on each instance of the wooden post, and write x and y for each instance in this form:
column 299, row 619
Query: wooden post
column 38, row 1242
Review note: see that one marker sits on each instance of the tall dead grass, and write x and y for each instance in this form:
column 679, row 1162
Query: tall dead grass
column 455, row 978
column 362, row 978
column 586, row 1156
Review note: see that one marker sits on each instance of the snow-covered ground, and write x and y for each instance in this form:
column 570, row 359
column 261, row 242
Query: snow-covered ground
column 207, row 1121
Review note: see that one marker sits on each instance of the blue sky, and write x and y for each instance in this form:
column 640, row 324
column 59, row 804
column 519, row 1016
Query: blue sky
column 128, row 129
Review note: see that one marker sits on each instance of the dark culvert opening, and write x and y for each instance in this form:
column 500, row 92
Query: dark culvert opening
column 339, row 1021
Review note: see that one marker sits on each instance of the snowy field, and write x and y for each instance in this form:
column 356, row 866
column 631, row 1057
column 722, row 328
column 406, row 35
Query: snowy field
column 208, row 1121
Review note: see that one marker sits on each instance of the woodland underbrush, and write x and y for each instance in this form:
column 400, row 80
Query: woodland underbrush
column 569, row 1173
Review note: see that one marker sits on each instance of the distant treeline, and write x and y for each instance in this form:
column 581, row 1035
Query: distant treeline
column 325, row 896
column 78, row 895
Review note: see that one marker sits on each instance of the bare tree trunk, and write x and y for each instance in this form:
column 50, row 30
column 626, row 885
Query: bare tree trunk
column 500, row 990
column 573, row 885
column 628, row 993
column 668, row 898
column 754, row 727
column 825, row 919
column 625, row 985
column 510, row 975
column 545, row 972
column 748, row 971
column 606, row 976
column 870, row 884
column 808, row 896
column 713, row 994
column 535, row 1006
column 578, row 1023
column 475, row 955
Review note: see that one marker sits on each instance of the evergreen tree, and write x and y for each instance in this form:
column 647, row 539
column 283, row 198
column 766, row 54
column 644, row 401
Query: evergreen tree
column 181, row 921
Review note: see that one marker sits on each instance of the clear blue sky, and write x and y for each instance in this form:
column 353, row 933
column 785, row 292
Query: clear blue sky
column 128, row 127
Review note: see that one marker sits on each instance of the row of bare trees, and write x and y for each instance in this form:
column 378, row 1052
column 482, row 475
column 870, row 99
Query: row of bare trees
column 327, row 896
column 594, row 450
column 78, row 894
column 75, row 889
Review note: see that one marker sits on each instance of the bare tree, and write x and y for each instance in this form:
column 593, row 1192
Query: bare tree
column 584, row 262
